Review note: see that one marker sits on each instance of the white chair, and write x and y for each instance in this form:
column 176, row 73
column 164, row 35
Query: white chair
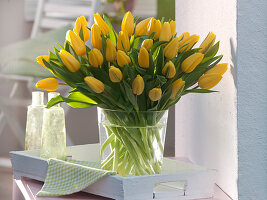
column 53, row 14
column 49, row 15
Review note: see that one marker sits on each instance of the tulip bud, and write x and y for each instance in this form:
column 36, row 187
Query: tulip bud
column 101, row 23
column 176, row 86
column 155, row 94
column 189, row 42
column 207, row 43
column 123, row 39
column 40, row 60
column 218, row 69
column 128, row 23
column 95, row 58
column 173, row 27
column 169, row 70
column 171, row 49
column 147, row 44
column 138, row 85
column 76, row 43
column 69, row 61
column 190, row 63
column 82, row 23
column 94, row 84
column 141, row 27
column 48, row 84
column 208, row 81
column 110, row 51
column 122, row 58
column 154, row 26
column 184, row 35
column 115, row 74
column 96, row 37
column 143, row 58
column 165, row 33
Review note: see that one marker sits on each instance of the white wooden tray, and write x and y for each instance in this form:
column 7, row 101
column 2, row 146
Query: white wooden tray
column 178, row 180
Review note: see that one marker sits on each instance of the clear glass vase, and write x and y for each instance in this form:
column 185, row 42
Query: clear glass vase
column 53, row 132
column 132, row 143
column 34, row 122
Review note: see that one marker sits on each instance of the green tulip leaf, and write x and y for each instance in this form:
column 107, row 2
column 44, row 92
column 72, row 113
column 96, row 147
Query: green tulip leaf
column 160, row 61
column 67, row 46
column 81, row 33
column 151, row 69
column 52, row 56
column 212, row 52
column 75, row 100
column 198, row 91
column 130, row 95
column 112, row 33
column 156, row 45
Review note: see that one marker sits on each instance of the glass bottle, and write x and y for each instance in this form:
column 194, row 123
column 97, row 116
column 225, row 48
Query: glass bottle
column 34, row 122
column 54, row 131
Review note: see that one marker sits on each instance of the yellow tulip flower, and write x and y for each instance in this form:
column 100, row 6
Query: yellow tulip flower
column 218, row 69
column 173, row 27
column 165, row 33
column 48, row 84
column 76, row 43
column 143, row 58
column 101, row 23
column 110, row 51
column 171, row 49
column 81, row 23
column 69, row 61
column 128, row 23
column 189, row 42
column 96, row 37
column 96, row 85
column 154, row 26
column 208, row 81
column 95, row 58
column 115, row 74
column 138, row 85
column 155, row 94
column 141, row 27
column 190, row 63
column 40, row 60
column 169, row 70
column 207, row 43
column 184, row 35
column 176, row 86
column 123, row 39
column 147, row 44
column 122, row 58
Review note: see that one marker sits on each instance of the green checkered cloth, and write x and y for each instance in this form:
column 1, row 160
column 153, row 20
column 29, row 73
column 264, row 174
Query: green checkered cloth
column 67, row 177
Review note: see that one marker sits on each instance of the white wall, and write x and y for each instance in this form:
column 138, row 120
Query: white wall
column 252, row 99
column 206, row 125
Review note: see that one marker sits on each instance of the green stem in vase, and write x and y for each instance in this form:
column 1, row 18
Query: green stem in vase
column 109, row 140
column 108, row 161
column 116, row 154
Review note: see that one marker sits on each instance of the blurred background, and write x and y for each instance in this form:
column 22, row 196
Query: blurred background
column 27, row 29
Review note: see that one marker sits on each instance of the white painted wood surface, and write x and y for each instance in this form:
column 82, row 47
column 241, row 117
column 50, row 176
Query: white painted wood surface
column 178, row 181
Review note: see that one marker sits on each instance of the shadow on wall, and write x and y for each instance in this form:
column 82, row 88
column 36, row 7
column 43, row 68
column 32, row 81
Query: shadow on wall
column 233, row 58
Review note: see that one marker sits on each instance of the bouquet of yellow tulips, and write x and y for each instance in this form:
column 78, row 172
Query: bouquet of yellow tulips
column 134, row 76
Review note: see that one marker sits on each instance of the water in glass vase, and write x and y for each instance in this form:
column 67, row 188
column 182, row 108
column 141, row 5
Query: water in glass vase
column 132, row 143
column 53, row 132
